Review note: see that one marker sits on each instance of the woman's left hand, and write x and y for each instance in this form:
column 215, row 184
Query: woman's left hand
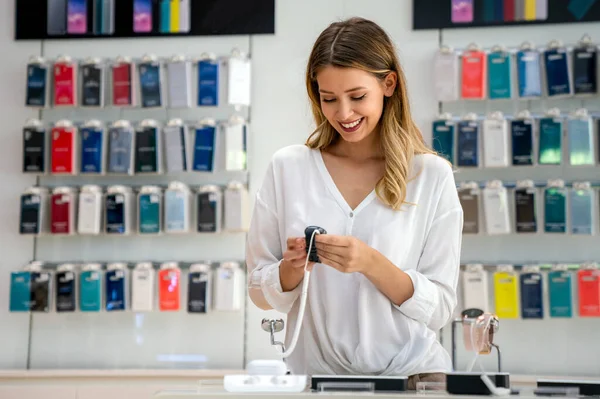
column 347, row 254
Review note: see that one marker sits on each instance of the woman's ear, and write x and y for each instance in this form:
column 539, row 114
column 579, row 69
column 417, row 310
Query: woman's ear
column 389, row 84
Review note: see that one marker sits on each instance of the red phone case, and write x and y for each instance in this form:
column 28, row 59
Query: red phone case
column 60, row 214
column 589, row 292
column 169, row 289
column 509, row 10
column 473, row 74
column 121, row 84
column 62, row 150
column 64, row 84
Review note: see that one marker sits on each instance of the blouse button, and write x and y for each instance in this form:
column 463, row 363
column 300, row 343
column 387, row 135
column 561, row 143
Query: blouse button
column 351, row 214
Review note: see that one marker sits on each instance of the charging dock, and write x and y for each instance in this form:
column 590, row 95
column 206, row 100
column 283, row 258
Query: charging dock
column 458, row 383
column 350, row 383
column 586, row 388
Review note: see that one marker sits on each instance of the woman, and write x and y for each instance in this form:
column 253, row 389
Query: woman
column 389, row 263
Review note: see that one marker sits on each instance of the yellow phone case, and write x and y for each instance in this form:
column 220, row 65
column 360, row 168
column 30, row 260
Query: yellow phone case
column 175, row 16
column 507, row 295
column 530, row 10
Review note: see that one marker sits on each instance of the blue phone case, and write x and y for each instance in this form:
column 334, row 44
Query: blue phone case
column 529, row 73
column 204, row 149
column 115, row 214
column 443, row 139
column 522, row 142
column 90, row 291
column 149, row 214
column 560, row 293
column 555, row 210
column 65, row 291
column 208, row 83
column 585, row 79
column 20, row 292
column 92, row 140
column 119, row 150
column 174, row 211
column 29, row 220
column 531, row 296
column 581, row 142
column 115, row 290
column 499, row 76
column 37, row 76
column 150, row 85
column 165, row 16
column 581, row 210
column 468, row 143
column 557, row 72
column 550, row 150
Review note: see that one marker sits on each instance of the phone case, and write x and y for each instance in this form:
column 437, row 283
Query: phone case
column 557, row 72
column 467, row 144
column 580, row 141
column 560, row 287
column 184, row 16
column 506, row 293
column 92, row 150
column 532, row 302
column 550, row 142
column 525, row 210
column 34, row 150
column 150, row 85
column 443, row 139
column 40, row 291
column 475, row 290
column 499, row 76
column 469, row 200
column 90, row 291
column 122, row 85
column 61, row 214
column 509, row 10
column 176, row 154
column 30, row 218
column 146, row 150
column 175, row 212
column 165, row 16
column 149, row 214
column 529, row 73
column 496, row 148
column 92, row 86
column 589, row 293
column 522, row 132
column 62, row 150
column 555, row 210
column 206, row 213
column 473, row 75
column 89, row 213
column 77, row 16
column 108, row 17
column 115, row 214
column 208, row 83
column 169, row 285
column 65, row 291
column 120, row 159
column 56, row 17
column 179, row 83
column 37, row 85
column 462, row 11
column 235, row 146
column 20, row 291
column 64, row 85
column 581, row 204
column 530, row 14
column 142, row 16
column 204, row 149
column 174, row 14
column 585, row 78
column 116, row 294
column 495, row 207
column 199, row 292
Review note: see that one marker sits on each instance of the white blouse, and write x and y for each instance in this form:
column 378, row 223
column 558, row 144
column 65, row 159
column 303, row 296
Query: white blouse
column 349, row 326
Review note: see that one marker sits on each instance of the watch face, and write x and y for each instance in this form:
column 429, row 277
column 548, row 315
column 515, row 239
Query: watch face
column 471, row 313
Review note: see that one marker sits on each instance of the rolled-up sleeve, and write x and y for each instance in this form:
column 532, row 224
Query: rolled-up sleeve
column 435, row 277
column 264, row 251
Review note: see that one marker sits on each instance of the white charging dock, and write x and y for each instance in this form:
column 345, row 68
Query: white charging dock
column 265, row 376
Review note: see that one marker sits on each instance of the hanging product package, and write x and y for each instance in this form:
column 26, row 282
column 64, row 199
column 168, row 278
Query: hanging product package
column 35, row 145
column 92, row 148
column 89, row 214
column 443, row 140
column 90, row 288
column 34, row 218
column 38, row 78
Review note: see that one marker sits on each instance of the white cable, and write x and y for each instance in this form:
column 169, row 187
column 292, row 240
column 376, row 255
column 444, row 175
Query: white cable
column 305, row 281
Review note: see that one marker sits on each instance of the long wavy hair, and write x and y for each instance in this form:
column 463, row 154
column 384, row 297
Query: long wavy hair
column 360, row 43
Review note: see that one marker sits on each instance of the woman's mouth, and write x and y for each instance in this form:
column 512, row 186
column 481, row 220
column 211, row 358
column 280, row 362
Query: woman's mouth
column 352, row 126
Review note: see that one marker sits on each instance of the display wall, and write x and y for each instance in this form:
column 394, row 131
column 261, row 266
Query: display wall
column 279, row 116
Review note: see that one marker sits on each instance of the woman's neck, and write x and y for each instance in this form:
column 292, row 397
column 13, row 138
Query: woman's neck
column 366, row 150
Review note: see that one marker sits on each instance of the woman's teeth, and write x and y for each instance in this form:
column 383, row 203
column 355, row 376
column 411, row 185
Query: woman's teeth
column 352, row 124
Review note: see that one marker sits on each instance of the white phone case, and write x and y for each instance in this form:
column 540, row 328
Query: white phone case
column 495, row 206
column 495, row 143
column 184, row 16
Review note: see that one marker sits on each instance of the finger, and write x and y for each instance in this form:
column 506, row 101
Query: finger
column 330, row 262
column 294, row 255
column 336, row 257
column 331, row 249
column 295, row 243
column 329, row 239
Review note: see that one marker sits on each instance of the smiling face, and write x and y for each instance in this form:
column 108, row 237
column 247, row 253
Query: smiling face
column 352, row 100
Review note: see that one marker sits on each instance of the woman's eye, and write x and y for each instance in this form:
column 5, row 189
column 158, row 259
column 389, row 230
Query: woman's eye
column 328, row 100
column 358, row 98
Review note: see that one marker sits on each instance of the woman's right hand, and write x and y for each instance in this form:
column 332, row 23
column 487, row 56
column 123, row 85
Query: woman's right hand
column 291, row 270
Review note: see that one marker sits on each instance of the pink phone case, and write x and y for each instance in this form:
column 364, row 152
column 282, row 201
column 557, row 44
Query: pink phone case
column 462, row 11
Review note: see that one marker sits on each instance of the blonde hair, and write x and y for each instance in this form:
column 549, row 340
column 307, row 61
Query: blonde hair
column 360, row 43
